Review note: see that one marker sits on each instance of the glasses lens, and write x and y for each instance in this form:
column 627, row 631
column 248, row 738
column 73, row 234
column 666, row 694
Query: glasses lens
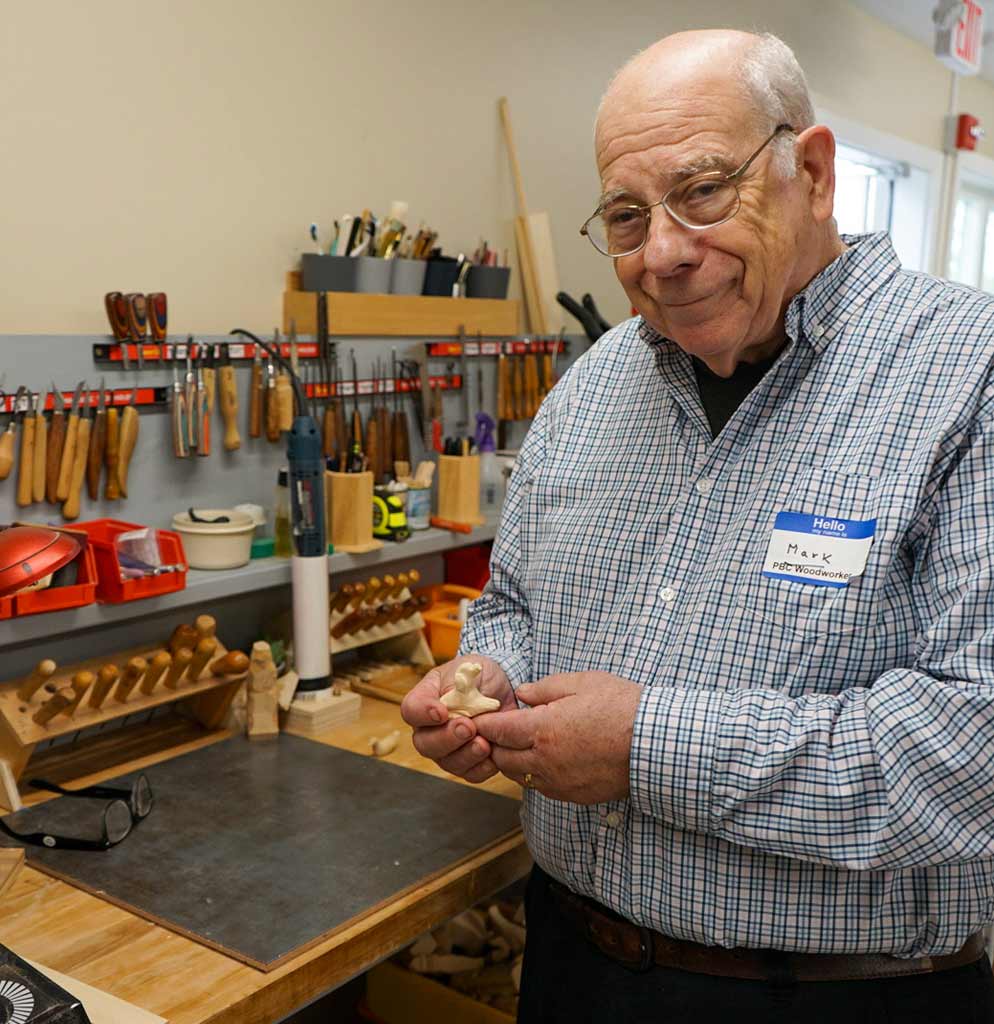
column 117, row 821
column 141, row 797
column 703, row 201
column 617, row 230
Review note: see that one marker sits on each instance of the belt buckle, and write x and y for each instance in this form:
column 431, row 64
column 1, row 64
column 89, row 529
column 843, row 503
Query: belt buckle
column 646, row 959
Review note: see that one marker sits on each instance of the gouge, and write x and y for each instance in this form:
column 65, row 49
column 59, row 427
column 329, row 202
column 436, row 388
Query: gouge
column 98, row 445
column 40, row 675
column 228, row 387
column 56, row 440
column 25, row 466
column 40, row 451
column 106, row 678
column 69, row 445
column 257, row 394
column 70, row 510
column 55, row 704
column 157, row 667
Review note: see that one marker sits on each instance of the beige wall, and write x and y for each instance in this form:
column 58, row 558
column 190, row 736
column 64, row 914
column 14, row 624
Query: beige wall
column 186, row 145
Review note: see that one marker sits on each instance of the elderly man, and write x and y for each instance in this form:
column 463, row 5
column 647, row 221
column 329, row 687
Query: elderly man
column 741, row 614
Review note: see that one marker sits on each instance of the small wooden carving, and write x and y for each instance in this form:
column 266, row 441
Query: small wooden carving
column 263, row 721
column 385, row 744
column 465, row 699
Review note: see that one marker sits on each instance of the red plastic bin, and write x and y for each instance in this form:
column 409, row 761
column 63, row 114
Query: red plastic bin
column 56, row 599
column 111, row 589
column 6, row 607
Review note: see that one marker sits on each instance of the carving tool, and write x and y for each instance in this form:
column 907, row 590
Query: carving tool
column 81, row 682
column 202, row 654
column 479, row 370
column 40, row 451
column 137, row 321
column 25, row 466
column 106, row 678
column 189, row 396
column 56, row 440
column 257, row 394
column 210, row 376
column 205, row 627
column 372, row 447
column 200, row 409
column 157, row 314
column 356, row 457
column 183, row 635
column 386, row 429
column 127, row 438
column 234, row 663
column 531, row 384
column 358, row 591
column 229, row 401
column 450, row 525
column 156, row 669
column 98, row 447
column 178, row 414
column 341, row 433
column 55, row 704
column 272, row 408
column 70, row 509
column 133, row 671
column 284, row 403
column 462, row 424
column 117, row 315
column 112, row 454
column 181, row 661
column 401, row 441
column 69, row 447
column 502, row 387
column 40, row 675
column 7, row 444
column 436, row 420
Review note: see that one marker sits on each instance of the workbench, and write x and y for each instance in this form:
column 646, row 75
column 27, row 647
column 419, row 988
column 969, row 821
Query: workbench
column 64, row 928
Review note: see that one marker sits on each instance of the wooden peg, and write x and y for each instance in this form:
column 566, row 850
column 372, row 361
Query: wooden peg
column 234, row 663
column 202, row 654
column 40, row 674
column 373, row 585
column 156, row 669
column 184, row 635
column 181, row 661
column 81, row 682
column 133, row 671
column 358, row 589
column 106, row 678
column 400, row 586
column 206, row 627
column 55, row 704
column 342, row 597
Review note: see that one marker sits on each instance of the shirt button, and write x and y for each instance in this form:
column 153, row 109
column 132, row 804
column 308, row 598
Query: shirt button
column 817, row 330
column 667, row 594
column 703, row 485
column 613, row 819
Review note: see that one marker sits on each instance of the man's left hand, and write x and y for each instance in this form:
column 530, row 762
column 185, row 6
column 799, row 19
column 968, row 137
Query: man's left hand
column 573, row 742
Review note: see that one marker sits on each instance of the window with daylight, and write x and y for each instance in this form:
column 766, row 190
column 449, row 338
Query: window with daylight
column 971, row 242
column 865, row 190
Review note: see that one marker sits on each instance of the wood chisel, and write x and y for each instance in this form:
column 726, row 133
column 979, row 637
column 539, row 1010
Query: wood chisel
column 157, row 308
column 70, row 510
column 401, row 441
column 502, row 387
column 357, row 450
column 190, row 396
column 479, row 372
column 384, row 424
column 531, row 384
column 69, row 447
column 178, row 414
column 341, row 433
column 329, row 440
column 127, row 439
column 117, row 315
column 272, row 412
column 200, row 410
column 284, row 402
column 462, row 424
column 426, row 400
column 56, row 439
column 25, row 466
column 228, row 387
column 372, row 443
column 112, row 454
column 436, row 421
column 7, row 440
column 41, row 451
column 257, row 394
column 209, row 371
column 98, row 447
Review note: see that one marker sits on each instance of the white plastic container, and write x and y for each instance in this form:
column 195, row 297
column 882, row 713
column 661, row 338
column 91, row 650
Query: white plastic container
column 216, row 545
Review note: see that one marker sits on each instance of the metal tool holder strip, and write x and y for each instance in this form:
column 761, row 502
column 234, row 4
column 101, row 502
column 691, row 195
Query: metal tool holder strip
column 112, row 396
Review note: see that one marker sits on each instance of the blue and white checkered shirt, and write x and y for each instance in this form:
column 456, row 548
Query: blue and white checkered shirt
column 812, row 767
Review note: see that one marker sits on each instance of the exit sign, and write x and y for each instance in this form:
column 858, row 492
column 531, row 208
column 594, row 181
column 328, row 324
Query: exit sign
column 959, row 35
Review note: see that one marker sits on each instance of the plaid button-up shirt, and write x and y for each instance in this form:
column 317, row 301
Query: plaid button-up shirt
column 812, row 767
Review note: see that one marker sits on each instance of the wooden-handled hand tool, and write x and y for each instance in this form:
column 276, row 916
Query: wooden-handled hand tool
column 373, row 587
column 284, row 402
column 342, row 597
column 209, row 371
column 401, row 441
column 257, row 394
column 157, row 668
column 98, row 447
column 55, row 704
column 202, row 654
column 117, row 315
column 7, row 443
column 228, row 387
column 272, row 411
column 137, row 317
column 158, row 310
column 56, row 440
column 201, row 411
column 27, row 461
column 112, row 453
column 40, row 453
column 81, row 682
column 358, row 591
column 182, row 657
column 183, row 635
column 127, row 438
column 70, row 510
column 372, row 446
column 133, row 671
column 106, row 678
column 340, row 430
column 234, row 663
column 190, row 396
column 69, row 446
column 205, row 627
column 178, row 414
column 40, row 675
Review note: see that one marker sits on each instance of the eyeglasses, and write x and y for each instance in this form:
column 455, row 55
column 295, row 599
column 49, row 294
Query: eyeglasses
column 700, row 201
column 126, row 808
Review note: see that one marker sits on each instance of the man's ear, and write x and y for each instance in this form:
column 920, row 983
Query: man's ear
column 816, row 156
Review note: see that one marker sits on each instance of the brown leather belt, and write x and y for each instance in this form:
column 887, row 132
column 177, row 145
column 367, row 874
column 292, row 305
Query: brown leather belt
column 640, row 948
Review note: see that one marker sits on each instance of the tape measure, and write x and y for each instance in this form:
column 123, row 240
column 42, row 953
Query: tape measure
column 389, row 517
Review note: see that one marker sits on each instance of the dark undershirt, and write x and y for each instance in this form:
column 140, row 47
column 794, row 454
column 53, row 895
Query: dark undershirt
column 721, row 396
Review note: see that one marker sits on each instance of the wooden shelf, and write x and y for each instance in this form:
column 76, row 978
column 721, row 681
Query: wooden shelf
column 360, row 315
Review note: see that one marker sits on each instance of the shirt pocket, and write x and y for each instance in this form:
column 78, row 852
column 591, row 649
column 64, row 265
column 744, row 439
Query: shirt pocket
column 810, row 609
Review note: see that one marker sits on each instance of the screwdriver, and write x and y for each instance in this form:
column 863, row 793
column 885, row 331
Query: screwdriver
column 41, row 451
column 229, row 401
column 56, row 439
column 70, row 510
column 26, row 465
column 69, row 447
column 98, row 445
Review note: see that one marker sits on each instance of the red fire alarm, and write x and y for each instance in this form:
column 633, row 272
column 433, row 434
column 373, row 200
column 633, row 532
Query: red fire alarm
column 968, row 132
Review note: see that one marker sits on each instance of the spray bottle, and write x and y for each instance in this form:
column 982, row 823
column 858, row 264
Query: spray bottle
column 491, row 483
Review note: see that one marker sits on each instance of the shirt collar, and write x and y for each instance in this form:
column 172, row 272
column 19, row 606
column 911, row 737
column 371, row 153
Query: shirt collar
column 819, row 312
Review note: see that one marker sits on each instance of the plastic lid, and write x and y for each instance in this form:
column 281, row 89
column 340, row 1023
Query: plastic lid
column 283, row 479
column 263, row 547
column 238, row 522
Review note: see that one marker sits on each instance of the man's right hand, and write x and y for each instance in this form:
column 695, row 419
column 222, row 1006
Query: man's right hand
column 453, row 743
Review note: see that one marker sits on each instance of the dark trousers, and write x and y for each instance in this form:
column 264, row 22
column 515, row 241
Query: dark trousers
column 566, row 979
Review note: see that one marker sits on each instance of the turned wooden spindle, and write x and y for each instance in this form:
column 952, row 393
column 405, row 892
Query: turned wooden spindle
column 202, row 654
column 81, row 682
column 181, row 662
column 133, row 671
column 156, row 670
column 106, row 678
column 40, row 674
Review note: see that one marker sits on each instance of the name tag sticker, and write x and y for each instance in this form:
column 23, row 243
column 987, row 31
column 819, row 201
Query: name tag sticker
column 818, row 550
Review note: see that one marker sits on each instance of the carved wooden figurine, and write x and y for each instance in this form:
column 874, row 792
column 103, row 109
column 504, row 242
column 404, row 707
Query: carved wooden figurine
column 465, row 699
column 263, row 720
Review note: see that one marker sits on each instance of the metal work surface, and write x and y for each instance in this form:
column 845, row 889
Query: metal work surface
column 262, row 849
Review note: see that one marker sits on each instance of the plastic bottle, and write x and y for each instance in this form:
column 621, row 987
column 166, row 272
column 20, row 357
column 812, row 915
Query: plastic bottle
column 491, row 479
column 282, row 538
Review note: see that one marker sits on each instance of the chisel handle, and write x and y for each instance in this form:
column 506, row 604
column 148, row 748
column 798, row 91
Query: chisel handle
column 26, row 466
column 68, row 458
column 157, row 314
column 206, row 626
column 40, row 457
column 117, row 314
column 40, row 675
column 178, row 416
column 202, row 413
column 372, row 450
column 210, row 387
column 70, row 510
column 228, row 388
column 53, row 456
column 256, row 394
column 7, row 450
column 95, row 456
column 203, row 654
column 234, row 663
column 329, row 443
column 126, row 442
column 272, row 415
column 106, row 678
column 401, row 441
column 112, row 489
column 137, row 317
column 284, row 402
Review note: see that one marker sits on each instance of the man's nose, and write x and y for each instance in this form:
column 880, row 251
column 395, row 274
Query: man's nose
column 671, row 248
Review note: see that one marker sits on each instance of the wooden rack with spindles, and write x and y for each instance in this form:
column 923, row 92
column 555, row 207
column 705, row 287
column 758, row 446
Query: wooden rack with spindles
column 194, row 669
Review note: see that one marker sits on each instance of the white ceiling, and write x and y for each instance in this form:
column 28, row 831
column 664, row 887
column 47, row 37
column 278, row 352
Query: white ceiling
column 914, row 18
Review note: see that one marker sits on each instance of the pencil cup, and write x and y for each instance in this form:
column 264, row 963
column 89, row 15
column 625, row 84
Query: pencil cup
column 440, row 276
column 349, row 498
column 488, row 282
column 459, row 489
column 372, row 276
column 408, row 276
column 320, row 273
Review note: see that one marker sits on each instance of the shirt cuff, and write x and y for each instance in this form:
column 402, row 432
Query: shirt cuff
column 672, row 758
